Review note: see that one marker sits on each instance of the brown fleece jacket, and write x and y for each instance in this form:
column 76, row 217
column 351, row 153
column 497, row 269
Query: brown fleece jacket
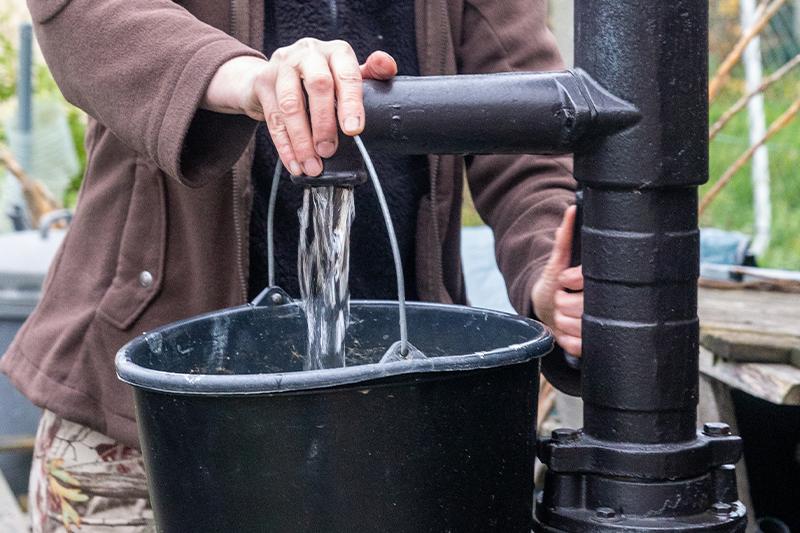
column 161, row 228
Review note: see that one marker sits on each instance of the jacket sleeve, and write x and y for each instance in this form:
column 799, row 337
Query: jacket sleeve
column 522, row 198
column 141, row 68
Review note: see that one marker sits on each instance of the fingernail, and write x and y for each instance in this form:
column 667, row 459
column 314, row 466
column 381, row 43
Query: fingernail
column 312, row 167
column 294, row 168
column 326, row 149
column 352, row 124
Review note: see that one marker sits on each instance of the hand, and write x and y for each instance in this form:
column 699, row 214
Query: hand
column 560, row 310
column 275, row 91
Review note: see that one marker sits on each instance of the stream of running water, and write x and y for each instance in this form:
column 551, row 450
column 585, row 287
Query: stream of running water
column 323, row 263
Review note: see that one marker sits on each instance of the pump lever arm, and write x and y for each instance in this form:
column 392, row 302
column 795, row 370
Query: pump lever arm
column 511, row 113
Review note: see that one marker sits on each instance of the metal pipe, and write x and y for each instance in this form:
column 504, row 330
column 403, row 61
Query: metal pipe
column 639, row 463
column 21, row 140
column 544, row 113
column 640, row 226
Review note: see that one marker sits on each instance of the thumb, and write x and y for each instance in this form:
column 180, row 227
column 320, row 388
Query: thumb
column 560, row 257
column 379, row 66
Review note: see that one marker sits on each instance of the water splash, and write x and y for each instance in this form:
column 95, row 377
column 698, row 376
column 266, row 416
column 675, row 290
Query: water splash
column 323, row 263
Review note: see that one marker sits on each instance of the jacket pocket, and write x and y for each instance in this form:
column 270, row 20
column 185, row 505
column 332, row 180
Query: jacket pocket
column 44, row 10
column 140, row 264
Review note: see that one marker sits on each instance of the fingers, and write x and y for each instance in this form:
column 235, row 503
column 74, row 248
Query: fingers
column 349, row 92
column 379, row 66
column 291, row 104
column 327, row 73
column 569, row 304
column 551, row 290
column 571, row 278
column 567, row 324
column 562, row 248
column 265, row 93
column 572, row 345
column 318, row 84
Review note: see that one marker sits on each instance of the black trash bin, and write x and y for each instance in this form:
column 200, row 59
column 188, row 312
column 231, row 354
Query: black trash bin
column 237, row 438
column 25, row 257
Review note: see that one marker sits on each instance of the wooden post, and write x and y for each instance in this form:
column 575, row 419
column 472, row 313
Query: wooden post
column 762, row 208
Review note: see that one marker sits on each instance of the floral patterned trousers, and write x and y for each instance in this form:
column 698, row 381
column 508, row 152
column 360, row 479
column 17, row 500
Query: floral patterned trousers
column 84, row 482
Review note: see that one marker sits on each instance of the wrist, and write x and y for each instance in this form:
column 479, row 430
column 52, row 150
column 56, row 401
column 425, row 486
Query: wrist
column 232, row 84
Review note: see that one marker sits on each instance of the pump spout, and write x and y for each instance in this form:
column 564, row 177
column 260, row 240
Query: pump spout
column 509, row 113
column 344, row 169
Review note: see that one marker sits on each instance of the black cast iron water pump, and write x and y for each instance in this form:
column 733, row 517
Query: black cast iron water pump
column 635, row 115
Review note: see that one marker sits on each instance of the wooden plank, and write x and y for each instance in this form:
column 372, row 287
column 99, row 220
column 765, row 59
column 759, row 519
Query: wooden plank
column 749, row 347
column 750, row 326
column 11, row 518
column 771, row 313
column 17, row 443
column 757, row 285
column 776, row 383
column 796, row 357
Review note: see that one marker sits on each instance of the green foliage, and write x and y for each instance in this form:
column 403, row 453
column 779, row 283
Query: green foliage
column 733, row 208
column 44, row 87
column 7, row 67
column 469, row 215
column 77, row 126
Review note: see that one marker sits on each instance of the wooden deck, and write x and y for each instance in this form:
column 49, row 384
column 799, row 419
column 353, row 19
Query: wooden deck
column 751, row 342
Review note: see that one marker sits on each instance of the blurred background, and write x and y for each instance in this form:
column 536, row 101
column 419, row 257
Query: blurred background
column 775, row 202
column 56, row 156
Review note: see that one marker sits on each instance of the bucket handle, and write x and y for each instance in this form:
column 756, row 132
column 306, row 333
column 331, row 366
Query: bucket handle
column 398, row 265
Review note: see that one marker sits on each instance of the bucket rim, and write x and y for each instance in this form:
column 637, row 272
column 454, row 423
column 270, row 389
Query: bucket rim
column 185, row 384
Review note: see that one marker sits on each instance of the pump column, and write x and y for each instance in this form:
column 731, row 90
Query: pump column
column 639, row 463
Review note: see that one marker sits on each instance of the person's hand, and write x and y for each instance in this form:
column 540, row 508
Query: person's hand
column 560, row 310
column 275, row 91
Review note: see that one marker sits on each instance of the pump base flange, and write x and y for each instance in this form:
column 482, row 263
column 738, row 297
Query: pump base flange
column 599, row 521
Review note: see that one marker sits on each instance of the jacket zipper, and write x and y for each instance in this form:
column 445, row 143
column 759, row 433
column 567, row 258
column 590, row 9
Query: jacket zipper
column 233, row 17
column 437, row 159
column 438, row 262
column 237, row 219
column 237, row 224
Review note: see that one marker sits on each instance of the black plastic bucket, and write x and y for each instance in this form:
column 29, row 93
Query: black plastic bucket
column 237, row 438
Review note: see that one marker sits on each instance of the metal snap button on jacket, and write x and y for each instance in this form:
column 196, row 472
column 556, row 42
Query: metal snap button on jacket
column 145, row 279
